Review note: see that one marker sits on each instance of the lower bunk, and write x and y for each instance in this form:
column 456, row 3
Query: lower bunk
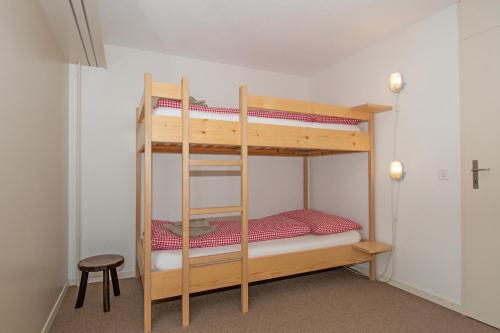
column 225, row 274
column 267, row 259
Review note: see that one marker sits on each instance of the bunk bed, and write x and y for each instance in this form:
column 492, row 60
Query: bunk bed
column 164, row 131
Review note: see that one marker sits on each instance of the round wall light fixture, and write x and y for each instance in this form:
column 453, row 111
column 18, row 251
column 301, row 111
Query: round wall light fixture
column 396, row 170
column 396, row 83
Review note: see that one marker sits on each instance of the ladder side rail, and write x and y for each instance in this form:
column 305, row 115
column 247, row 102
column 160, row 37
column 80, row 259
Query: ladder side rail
column 185, row 201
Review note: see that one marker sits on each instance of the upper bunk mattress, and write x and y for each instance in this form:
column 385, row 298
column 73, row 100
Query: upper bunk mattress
column 167, row 107
column 162, row 260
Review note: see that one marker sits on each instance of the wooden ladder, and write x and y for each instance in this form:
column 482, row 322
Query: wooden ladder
column 187, row 211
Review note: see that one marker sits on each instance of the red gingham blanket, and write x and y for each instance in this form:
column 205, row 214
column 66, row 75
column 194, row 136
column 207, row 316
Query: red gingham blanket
column 229, row 232
column 168, row 103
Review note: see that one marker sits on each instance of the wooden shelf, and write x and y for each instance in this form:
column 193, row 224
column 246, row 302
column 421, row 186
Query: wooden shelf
column 370, row 107
column 372, row 247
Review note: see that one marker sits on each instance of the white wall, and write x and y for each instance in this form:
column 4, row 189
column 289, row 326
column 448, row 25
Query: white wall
column 109, row 99
column 33, row 177
column 427, row 255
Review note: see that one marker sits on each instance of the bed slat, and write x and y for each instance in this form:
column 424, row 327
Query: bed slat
column 215, row 210
column 215, row 258
column 215, row 163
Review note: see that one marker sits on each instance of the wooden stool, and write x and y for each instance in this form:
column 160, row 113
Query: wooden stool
column 104, row 263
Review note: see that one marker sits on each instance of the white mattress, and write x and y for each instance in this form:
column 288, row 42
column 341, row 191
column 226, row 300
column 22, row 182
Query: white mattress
column 173, row 112
column 171, row 259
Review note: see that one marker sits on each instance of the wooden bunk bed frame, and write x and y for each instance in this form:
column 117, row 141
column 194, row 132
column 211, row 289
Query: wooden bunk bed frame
column 159, row 133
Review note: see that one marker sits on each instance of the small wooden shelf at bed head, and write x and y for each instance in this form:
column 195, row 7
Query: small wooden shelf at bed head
column 372, row 247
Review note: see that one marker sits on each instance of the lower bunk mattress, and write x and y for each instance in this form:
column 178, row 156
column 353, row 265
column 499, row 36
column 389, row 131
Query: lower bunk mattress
column 162, row 260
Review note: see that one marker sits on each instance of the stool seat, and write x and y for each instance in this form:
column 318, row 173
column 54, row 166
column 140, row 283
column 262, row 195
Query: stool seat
column 100, row 262
column 106, row 263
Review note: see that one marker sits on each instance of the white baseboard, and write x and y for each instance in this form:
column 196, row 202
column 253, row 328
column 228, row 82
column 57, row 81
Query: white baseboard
column 417, row 292
column 55, row 309
column 97, row 277
column 426, row 295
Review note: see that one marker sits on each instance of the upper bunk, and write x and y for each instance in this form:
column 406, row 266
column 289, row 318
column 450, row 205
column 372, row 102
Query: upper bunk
column 276, row 126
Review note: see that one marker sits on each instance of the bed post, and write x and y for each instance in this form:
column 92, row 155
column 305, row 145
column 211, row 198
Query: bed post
column 148, row 86
column 185, row 200
column 244, row 196
column 371, row 194
column 306, row 182
column 138, row 173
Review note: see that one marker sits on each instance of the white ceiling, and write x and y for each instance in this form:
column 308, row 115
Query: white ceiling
column 290, row 36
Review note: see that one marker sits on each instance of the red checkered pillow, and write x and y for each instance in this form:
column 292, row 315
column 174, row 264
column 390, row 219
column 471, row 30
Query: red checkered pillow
column 321, row 223
column 229, row 232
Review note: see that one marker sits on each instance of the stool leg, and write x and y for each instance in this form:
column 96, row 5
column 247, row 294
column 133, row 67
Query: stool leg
column 105, row 289
column 114, row 279
column 81, row 291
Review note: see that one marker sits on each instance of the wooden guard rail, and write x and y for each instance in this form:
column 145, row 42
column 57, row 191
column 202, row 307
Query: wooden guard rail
column 360, row 112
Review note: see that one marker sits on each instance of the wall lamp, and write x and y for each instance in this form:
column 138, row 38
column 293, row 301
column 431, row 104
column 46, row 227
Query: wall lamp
column 396, row 170
column 396, row 83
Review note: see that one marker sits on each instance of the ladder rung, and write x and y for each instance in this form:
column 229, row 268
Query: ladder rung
column 215, row 258
column 215, row 162
column 215, row 210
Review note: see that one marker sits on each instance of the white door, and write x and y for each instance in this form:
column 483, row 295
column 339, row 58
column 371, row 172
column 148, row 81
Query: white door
column 480, row 94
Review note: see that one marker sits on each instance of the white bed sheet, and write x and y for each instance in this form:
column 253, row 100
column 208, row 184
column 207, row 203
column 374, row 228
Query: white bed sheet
column 173, row 112
column 171, row 259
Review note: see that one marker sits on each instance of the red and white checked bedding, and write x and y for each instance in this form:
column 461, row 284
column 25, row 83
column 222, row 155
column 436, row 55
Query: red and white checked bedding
column 168, row 103
column 322, row 223
column 284, row 225
column 229, row 232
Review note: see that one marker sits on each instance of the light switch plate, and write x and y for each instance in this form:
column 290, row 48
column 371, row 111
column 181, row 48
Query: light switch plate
column 443, row 174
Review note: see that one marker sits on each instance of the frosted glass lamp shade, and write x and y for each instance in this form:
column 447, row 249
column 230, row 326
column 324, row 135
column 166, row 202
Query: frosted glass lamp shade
column 396, row 171
column 396, row 83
